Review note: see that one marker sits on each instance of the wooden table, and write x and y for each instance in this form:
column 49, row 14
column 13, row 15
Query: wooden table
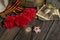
column 50, row 30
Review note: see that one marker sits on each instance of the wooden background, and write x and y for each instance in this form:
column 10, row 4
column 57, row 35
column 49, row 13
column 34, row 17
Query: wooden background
column 50, row 30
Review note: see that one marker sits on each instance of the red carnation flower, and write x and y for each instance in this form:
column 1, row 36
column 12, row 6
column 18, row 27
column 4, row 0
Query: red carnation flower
column 25, row 17
column 22, row 21
column 30, row 12
column 9, row 22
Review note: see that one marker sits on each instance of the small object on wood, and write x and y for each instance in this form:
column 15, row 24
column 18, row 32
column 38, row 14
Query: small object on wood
column 45, row 13
column 28, row 29
column 37, row 29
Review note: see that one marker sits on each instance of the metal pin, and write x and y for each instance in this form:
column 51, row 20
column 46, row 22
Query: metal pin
column 37, row 29
column 28, row 29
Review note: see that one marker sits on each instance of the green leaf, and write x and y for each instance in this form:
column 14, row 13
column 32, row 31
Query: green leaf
column 1, row 19
column 50, row 5
column 3, row 16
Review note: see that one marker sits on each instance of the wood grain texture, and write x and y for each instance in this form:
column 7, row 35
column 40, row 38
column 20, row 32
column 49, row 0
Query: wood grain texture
column 50, row 30
column 44, row 30
column 22, row 35
column 54, row 33
column 9, row 34
column 2, row 30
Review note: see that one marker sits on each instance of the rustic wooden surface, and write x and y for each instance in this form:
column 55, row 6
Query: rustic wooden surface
column 50, row 30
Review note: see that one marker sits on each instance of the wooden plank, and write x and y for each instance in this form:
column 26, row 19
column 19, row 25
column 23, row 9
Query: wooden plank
column 35, row 22
column 2, row 30
column 22, row 35
column 9, row 34
column 54, row 33
column 44, row 30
